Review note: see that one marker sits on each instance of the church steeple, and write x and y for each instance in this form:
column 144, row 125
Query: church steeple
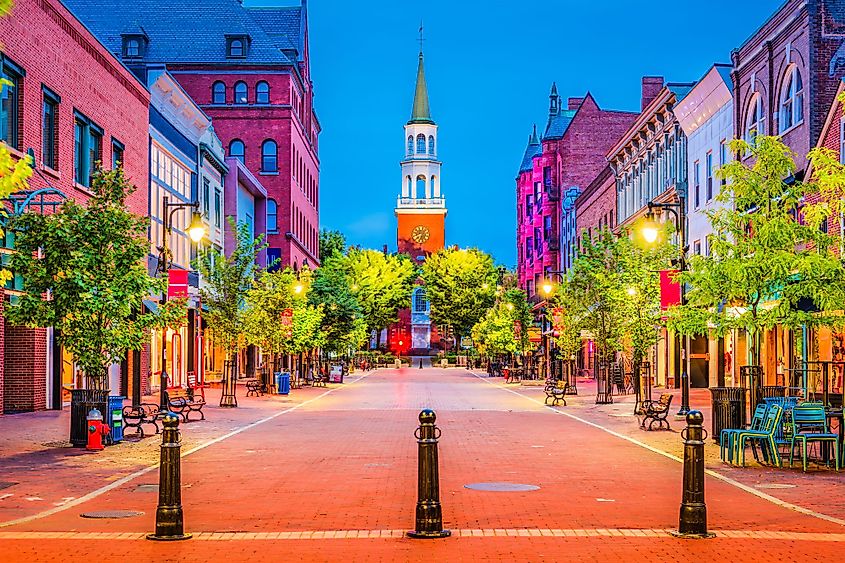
column 421, row 112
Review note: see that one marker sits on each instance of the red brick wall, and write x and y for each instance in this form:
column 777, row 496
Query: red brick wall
column 597, row 203
column 58, row 52
column 296, row 186
column 831, row 140
column 26, row 365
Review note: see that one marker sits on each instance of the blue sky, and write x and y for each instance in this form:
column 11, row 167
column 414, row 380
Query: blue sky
column 489, row 67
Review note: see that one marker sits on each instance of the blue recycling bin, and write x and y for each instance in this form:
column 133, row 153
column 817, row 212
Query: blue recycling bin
column 282, row 383
column 115, row 418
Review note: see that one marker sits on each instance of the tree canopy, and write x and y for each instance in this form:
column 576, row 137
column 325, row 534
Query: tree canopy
column 460, row 285
column 381, row 283
column 91, row 264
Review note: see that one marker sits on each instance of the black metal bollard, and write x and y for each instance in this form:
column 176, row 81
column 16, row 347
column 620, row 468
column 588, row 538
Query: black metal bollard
column 420, row 363
column 693, row 517
column 169, row 517
column 429, row 522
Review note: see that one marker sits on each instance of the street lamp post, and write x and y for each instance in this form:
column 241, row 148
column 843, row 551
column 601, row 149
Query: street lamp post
column 196, row 230
column 650, row 234
column 547, row 289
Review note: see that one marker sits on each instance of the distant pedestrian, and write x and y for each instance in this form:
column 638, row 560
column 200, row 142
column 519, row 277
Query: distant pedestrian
column 420, row 363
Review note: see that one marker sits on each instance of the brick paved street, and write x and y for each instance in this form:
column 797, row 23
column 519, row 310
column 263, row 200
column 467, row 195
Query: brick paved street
column 335, row 478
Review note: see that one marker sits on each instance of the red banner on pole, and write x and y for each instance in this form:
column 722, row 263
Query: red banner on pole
column 670, row 290
column 177, row 284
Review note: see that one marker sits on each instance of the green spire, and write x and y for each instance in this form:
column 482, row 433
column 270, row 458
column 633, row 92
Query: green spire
column 421, row 112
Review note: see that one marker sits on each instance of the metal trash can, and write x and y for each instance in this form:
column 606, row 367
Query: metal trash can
column 115, row 418
column 282, row 383
column 728, row 409
column 82, row 401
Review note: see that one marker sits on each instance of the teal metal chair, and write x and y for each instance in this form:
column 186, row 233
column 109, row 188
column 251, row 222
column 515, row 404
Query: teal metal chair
column 810, row 425
column 728, row 435
column 766, row 436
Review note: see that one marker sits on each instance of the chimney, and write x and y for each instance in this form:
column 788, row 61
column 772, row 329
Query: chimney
column 651, row 87
column 574, row 103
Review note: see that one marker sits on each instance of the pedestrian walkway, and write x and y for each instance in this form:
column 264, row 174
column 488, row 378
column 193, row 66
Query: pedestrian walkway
column 336, row 479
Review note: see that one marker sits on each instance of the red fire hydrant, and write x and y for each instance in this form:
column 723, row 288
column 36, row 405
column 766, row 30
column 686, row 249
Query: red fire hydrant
column 96, row 430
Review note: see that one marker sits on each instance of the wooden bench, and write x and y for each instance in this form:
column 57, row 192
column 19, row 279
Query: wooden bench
column 556, row 391
column 319, row 380
column 656, row 411
column 137, row 416
column 183, row 402
column 254, row 388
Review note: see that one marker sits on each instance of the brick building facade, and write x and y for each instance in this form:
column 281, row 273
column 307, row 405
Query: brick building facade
column 567, row 158
column 786, row 74
column 596, row 206
column 66, row 86
column 251, row 74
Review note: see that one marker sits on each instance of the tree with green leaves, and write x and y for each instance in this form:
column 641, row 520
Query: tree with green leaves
column 460, row 284
column 764, row 266
column 503, row 328
column 343, row 320
column 381, row 283
column 331, row 243
column 227, row 279
column 85, row 274
column 269, row 306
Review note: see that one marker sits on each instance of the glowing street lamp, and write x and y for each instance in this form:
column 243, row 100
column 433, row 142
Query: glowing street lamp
column 650, row 228
column 547, row 288
column 632, row 291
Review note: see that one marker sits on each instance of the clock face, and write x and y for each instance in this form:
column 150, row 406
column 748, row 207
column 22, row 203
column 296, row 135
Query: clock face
column 420, row 234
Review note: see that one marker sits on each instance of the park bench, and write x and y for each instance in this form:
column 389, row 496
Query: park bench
column 319, row 380
column 254, row 388
column 656, row 411
column 556, row 391
column 138, row 415
column 182, row 401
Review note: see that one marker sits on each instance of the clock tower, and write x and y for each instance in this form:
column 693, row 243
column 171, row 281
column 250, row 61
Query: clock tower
column 420, row 207
column 420, row 218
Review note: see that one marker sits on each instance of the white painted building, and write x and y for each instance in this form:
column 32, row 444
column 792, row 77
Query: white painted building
column 706, row 116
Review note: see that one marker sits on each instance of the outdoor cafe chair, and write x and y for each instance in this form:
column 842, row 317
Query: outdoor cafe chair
column 810, row 425
column 728, row 435
column 766, row 436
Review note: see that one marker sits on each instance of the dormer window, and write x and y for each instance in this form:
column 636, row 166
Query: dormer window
column 134, row 46
column 237, row 46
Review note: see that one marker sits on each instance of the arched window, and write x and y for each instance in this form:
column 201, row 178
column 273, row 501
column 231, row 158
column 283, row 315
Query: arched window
column 431, row 145
column 420, row 192
column 240, row 93
column 410, row 186
column 236, row 48
column 755, row 123
column 792, row 100
column 410, row 145
column 272, row 216
column 218, row 93
column 431, row 186
column 419, row 301
column 236, row 149
column 269, row 156
column 262, row 93
column 420, row 144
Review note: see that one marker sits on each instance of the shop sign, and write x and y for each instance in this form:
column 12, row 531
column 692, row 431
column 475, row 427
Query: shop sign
column 177, row 284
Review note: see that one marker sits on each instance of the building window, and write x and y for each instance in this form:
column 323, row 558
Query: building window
column 431, row 145
column 696, row 248
column 547, row 227
column 529, row 205
column 272, row 216
column 50, row 130
column 10, row 100
column 708, row 170
column 262, row 93
column 420, row 144
column 206, row 198
column 240, row 93
column 117, row 150
column 696, row 174
column 236, row 150
column 218, row 93
column 269, row 156
column 420, row 302
column 88, row 149
column 237, row 46
column 792, row 100
column 218, row 209
column 410, row 145
column 132, row 48
column 755, row 124
column 723, row 158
